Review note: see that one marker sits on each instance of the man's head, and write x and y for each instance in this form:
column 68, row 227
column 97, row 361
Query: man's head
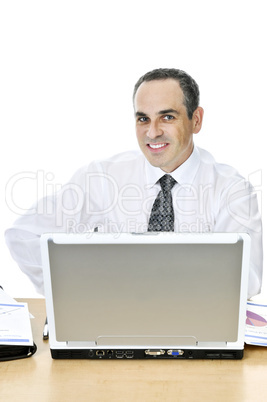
column 187, row 83
column 167, row 115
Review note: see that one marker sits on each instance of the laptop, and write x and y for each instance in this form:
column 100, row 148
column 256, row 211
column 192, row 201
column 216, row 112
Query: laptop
column 146, row 296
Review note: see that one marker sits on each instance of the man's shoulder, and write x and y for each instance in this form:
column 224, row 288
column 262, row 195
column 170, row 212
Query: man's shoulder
column 120, row 165
column 123, row 157
column 221, row 169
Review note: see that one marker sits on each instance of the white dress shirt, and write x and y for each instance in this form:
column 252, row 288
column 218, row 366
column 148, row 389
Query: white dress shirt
column 117, row 194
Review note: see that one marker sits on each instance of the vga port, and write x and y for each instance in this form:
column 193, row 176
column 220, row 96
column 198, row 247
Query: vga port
column 175, row 352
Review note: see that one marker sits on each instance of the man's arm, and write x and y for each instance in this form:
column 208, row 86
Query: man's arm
column 238, row 212
column 50, row 214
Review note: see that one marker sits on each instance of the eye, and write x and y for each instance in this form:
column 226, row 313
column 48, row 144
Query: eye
column 168, row 117
column 142, row 119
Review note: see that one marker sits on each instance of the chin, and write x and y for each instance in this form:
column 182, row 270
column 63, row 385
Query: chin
column 156, row 164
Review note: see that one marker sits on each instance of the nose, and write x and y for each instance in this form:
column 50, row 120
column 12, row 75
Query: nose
column 154, row 130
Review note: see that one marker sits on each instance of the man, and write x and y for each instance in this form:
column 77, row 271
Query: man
column 171, row 185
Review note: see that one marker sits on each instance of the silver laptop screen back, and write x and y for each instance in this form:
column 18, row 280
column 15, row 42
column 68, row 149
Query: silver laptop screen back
column 161, row 293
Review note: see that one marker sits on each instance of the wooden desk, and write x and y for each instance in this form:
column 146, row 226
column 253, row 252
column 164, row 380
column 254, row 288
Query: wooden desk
column 40, row 378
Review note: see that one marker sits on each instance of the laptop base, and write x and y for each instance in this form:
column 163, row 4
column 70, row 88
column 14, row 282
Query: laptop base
column 115, row 297
column 176, row 354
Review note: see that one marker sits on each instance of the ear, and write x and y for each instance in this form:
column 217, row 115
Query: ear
column 197, row 119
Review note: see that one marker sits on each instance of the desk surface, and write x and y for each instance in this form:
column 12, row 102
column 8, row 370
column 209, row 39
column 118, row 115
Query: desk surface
column 40, row 378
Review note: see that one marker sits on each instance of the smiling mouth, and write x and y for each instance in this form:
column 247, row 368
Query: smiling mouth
column 157, row 146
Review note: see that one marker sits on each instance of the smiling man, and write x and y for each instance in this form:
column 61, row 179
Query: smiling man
column 171, row 185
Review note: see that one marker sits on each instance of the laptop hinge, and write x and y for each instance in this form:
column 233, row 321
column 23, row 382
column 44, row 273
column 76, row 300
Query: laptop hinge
column 80, row 344
column 151, row 340
column 211, row 345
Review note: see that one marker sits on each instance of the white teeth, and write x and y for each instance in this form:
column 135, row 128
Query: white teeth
column 155, row 146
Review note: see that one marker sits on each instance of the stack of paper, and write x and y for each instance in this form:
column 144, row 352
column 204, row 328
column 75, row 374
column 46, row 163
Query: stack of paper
column 15, row 325
column 256, row 324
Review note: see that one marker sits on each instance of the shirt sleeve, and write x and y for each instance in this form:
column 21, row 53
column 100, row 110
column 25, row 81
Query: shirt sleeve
column 238, row 212
column 55, row 213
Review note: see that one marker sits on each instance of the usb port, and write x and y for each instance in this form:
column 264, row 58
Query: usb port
column 119, row 354
column 129, row 354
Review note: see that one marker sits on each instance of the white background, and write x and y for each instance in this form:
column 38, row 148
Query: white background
column 67, row 73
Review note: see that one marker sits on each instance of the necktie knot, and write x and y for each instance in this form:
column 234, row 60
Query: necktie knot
column 167, row 182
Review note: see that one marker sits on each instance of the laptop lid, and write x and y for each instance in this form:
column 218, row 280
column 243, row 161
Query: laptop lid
column 148, row 292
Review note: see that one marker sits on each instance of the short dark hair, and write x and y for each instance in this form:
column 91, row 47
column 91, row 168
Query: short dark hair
column 187, row 83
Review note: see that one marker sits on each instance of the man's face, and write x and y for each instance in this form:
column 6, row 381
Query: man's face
column 164, row 132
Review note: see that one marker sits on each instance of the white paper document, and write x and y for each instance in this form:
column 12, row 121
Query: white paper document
column 15, row 325
column 256, row 324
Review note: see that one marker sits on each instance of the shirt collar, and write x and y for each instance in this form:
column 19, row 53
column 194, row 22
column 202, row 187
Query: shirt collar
column 184, row 174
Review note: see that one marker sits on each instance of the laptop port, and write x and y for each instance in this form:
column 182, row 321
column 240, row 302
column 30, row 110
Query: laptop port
column 109, row 353
column 154, row 352
column 213, row 355
column 100, row 353
column 91, row 353
column 119, row 354
column 228, row 355
column 175, row 352
column 129, row 354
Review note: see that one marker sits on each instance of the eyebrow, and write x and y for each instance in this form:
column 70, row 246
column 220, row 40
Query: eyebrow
column 165, row 111
column 140, row 114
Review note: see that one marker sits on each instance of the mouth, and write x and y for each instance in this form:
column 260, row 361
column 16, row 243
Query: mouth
column 157, row 147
